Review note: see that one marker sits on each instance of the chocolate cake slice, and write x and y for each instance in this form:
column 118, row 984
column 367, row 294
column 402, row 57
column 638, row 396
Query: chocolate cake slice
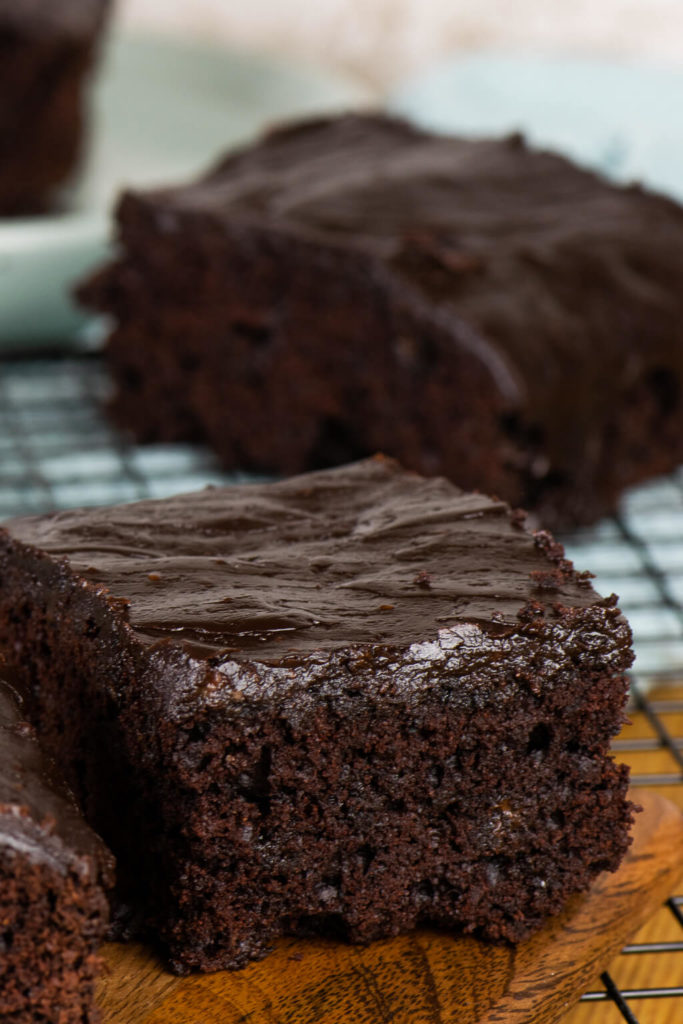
column 47, row 48
column 477, row 309
column 351, row 702
column 54, row 873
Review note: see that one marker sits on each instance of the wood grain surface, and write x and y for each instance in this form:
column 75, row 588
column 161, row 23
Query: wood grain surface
column 422, row 978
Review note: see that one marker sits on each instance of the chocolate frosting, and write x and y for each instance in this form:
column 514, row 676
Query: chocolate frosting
column 365, row 554
column 38, row 815
column 566, row 288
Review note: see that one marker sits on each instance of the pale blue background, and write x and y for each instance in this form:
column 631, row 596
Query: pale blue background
column 623, row 118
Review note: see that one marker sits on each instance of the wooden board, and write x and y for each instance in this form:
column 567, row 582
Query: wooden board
column 422, row 978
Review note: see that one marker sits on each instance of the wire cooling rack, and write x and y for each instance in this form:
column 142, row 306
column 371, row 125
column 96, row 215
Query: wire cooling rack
column 57, row 451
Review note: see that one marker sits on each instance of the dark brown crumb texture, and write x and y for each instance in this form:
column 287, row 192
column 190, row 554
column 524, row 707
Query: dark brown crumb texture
column 54, row 873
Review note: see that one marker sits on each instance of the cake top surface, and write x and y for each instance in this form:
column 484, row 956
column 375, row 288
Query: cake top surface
column 361, row 555
column 533, row 253
column 53, row 17
column 378, row 177
column 38, row 814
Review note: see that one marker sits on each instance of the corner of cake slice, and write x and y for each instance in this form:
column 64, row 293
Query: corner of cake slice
column 54, row 878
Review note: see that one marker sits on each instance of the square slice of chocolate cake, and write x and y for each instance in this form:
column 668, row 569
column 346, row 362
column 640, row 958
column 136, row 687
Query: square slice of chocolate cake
column 350, row 702
column 477, row 309
column 54, row 874
column 47, row 48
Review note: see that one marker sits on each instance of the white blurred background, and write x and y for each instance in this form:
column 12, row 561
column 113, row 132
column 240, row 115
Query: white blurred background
column 383, row 41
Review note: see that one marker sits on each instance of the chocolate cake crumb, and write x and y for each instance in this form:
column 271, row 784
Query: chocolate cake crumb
column 54, row 875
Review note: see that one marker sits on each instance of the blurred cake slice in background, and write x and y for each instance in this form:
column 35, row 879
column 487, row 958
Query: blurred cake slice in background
column 47, row 51
column 478, row 309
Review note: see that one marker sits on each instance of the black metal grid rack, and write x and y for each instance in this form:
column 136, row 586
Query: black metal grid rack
column 663, row 740
column 57, row 451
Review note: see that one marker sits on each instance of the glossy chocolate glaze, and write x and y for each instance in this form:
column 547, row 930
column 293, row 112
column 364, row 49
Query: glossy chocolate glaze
column 38, row 815
column 566, row 288
column 362, row 555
